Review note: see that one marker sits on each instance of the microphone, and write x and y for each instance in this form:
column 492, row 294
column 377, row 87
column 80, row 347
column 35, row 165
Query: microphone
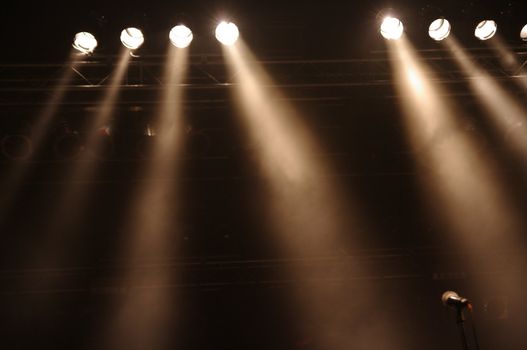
column 452, row 299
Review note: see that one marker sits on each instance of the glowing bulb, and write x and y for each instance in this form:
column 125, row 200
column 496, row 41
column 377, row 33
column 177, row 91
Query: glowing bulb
column 523, row 33
column 439, row 29
column 227, row 33
column 132, row 38
column 486, row 29
column 180, row 36
column 84, row 42
column 392, row 28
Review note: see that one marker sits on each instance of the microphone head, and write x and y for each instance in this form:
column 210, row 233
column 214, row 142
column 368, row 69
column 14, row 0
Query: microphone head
column 449, row 295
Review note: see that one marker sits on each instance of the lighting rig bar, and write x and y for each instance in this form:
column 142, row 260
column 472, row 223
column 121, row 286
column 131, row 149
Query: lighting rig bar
column 208, row 80
column 222, row 272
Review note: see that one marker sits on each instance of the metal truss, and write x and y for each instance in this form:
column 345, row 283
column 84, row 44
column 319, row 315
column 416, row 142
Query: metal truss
column 232, row 271
column 207, row 82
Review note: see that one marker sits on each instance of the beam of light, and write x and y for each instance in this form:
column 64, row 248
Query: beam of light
column 392, row 28
column 485, row 29
column 461, row 185
column 132, row 38
column 507, row 115
column 180, row 36
column 84, row 42
column 227, row 33
column 506, row 57
column 304, row 211
column 439, row 29
column 10, row 182
column 102, row 117
column 73, row 196
column 283, row 143
column 52, row 246
column 143, row 318
column 509, row 62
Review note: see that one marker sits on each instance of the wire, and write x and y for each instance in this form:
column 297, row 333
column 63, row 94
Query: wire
column 473, row 325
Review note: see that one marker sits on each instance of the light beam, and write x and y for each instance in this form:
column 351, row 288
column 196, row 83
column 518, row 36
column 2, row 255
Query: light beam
column 305, row 211
column 144, row 318
column 507, row 115
column 461, row 185
column 10, row 182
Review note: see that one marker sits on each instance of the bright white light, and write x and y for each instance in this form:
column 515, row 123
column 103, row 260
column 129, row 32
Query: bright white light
column 84, row 42
column 392, row 28
column 439, row 29
column 181, row 36
column 486, row 29
column 523, row 33
column 132, row 38
column 227, row 33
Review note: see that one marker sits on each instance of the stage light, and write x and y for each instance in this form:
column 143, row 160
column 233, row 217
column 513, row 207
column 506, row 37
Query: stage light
column 181, row 36
column 523, row 33
column 132, row 38
column 104, row 146
column 486, row 29
column 392, row 28
column 439, row 29
column 227, row 33
column 84, row 42
column 146, row 142
column 68, row 145
column 16, row 146
column 149, row 131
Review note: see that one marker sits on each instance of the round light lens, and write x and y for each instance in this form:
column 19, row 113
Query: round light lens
column 132, row 38
column 523, row 33
column 84, row 42
column 16, row 146
column 486, row 29
column 227, row 33
column 439, row 29
column 180, row 36
column 392, row 28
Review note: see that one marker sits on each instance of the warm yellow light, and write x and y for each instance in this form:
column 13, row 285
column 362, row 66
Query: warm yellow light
column 523, row 33
column 439, row 29
column 132, row 38
column 84, row 42
column 227, row 33
column 486, row 29
column 392, row 28
column 181, row 36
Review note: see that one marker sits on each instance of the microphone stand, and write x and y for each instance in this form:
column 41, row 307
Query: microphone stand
column 460, row 320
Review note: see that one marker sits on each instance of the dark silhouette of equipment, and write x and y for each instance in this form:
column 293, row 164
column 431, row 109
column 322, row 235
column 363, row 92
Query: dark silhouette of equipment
column 453, row 300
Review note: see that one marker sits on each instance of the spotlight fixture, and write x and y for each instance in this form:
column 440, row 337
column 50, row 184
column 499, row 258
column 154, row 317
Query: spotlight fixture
column 180, row 36
column 391, row 28
column 439, row 29
column 84, row 42
column 16, row 146
column 523, row 33
column 227, row 33
column 103, row 147
column 132, row 38
column 486, row 29
column 67, row 145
